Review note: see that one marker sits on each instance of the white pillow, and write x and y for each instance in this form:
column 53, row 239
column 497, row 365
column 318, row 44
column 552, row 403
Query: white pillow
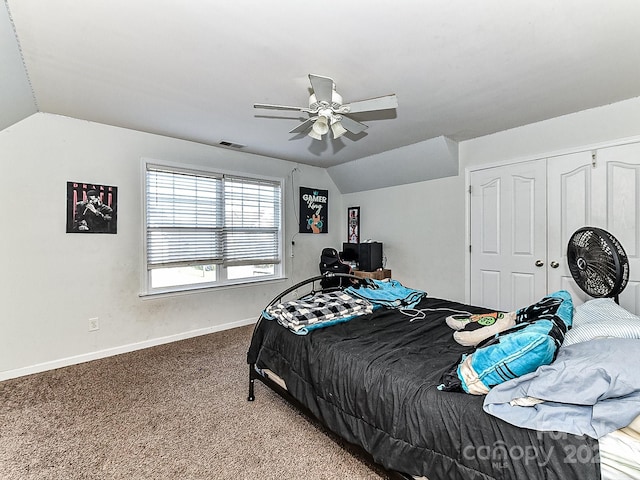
column 602, row 317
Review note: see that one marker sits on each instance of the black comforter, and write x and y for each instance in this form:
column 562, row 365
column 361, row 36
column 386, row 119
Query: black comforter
column 373, row 381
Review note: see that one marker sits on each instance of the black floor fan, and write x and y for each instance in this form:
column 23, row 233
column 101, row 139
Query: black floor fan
column 597, row 262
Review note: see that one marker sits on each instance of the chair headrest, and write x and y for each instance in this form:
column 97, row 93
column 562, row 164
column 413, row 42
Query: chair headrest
column 330, row 252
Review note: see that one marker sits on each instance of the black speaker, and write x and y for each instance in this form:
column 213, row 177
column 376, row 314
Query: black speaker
column 370, row 256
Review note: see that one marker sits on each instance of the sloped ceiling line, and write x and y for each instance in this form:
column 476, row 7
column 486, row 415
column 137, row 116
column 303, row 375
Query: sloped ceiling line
column 20, row 53
column 17, row 100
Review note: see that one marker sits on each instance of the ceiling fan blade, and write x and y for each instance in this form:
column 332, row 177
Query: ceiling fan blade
column 304, row 126
column 280, row 107
column 322, row 87
column 352, row 125
column 378, row 103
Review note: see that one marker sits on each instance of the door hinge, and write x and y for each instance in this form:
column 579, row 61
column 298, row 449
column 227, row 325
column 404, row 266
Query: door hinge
column 469, row 189
column 594, row 158
column 469, row 248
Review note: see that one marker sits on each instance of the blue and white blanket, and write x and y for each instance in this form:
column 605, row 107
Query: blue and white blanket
column 388, row 293
column 592, row 388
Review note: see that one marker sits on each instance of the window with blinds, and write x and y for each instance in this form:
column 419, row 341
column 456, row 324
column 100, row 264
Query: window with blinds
column 206, row 229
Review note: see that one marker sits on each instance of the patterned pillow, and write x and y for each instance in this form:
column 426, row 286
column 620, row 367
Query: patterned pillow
column 602, row 317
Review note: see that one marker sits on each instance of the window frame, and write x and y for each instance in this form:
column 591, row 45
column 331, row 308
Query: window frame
column 221, row 277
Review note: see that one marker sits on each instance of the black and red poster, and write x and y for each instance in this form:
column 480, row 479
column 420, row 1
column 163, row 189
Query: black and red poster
column 91, row 208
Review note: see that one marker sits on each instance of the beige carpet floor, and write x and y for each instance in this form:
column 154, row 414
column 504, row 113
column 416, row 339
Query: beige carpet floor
column 176, row 411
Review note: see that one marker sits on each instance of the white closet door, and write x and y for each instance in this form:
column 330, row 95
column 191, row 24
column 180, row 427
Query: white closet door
column 508, row 235
column 577, row 198
column 623, row 211
column 600, row 189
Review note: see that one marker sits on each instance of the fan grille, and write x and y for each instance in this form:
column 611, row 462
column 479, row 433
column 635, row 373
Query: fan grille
column 597, row 262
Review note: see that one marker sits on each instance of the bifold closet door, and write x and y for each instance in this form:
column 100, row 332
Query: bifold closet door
column 577, row 198
column 601, row 189
column 508, row 235
column 623, row 212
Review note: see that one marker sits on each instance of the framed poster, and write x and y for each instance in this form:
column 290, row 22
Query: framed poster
column 91, row 208
column 314, row 210
column 353, row 225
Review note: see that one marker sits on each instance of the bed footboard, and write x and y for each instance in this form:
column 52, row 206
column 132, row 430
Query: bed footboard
column 308, row 283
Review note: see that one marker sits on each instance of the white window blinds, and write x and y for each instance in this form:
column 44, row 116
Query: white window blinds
column 252, row 221
column 194, row 218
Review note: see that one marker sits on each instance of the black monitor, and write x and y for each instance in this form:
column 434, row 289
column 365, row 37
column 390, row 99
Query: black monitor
column 349, row 252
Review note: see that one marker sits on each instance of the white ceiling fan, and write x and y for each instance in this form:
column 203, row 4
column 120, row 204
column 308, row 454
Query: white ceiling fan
column 327, row 111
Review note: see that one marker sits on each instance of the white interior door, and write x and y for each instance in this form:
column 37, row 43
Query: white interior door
column 599, row 189
column 576, row 197
column 508, row 235
column 623, row 212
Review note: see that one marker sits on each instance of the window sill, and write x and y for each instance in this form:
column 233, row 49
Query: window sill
column 191, row 289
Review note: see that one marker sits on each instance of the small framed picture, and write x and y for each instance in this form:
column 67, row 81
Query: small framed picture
column 353, row 225
column 91, row 208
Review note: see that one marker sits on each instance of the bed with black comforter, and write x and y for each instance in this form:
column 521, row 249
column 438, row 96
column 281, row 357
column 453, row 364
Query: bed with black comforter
column 373, row 381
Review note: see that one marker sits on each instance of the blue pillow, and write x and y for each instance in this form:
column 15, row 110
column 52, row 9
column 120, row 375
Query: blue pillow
column 521, row 349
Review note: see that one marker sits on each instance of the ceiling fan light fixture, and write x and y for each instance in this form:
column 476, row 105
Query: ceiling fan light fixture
column 337, row 129
column 321, row 125
column 326, row 110
column 314, row 135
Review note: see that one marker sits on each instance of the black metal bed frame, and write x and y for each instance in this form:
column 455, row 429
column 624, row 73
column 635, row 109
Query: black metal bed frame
column 256, row 374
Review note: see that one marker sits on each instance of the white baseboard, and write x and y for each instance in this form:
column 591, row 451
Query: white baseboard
column 109, row 352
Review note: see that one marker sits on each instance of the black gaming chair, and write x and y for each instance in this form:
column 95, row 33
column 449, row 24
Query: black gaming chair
column 330, row 262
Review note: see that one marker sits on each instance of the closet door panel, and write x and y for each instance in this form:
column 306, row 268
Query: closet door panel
column 508, row 235
column 490, row 213
column 623, row 211
column 486, row 264
column 489, row 286
column 522, row 227
column 523, row 289
column 523, row 241
column 573, row 182
column 630, row 298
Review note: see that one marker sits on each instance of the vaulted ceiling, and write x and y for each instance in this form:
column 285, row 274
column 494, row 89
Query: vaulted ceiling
column 194, row 69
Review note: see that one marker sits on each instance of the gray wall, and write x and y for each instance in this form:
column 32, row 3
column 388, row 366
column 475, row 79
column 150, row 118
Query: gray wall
column 53, row 282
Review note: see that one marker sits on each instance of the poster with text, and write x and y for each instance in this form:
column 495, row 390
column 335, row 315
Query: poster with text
column 91, row 208
column 314, row 210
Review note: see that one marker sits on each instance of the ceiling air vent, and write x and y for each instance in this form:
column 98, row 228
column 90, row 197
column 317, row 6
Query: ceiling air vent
column 224, row 143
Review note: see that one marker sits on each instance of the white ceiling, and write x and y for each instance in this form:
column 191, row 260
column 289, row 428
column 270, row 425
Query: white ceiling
column 193, row 69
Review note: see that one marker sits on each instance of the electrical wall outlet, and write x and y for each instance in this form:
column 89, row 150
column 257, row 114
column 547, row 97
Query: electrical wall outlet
column 93, row 324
